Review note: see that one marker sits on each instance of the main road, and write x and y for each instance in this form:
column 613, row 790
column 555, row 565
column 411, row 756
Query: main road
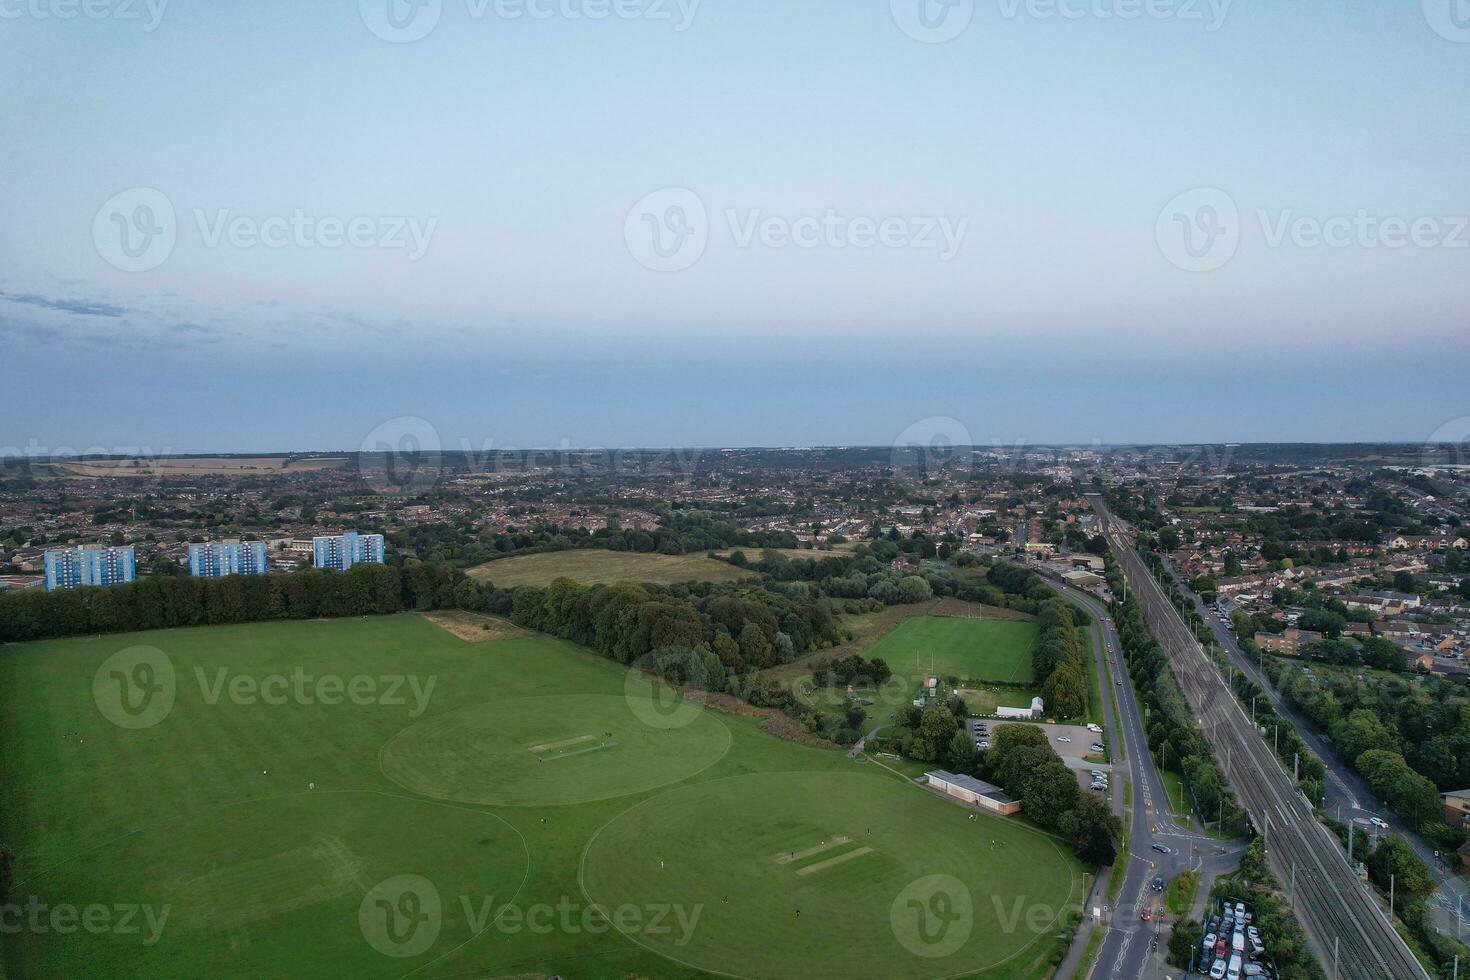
column 1129, row 941
column 1343, row 920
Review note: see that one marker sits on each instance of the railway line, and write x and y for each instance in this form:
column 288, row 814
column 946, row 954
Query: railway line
column 1343, row 919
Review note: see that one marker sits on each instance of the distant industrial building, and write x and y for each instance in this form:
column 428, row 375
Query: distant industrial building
column 973, row 791
column 342, row 551
column 68, row 568
column 219, row 558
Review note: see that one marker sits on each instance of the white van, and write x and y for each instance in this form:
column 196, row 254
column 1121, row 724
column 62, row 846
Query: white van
column 1233, row 972
column 1217, row 972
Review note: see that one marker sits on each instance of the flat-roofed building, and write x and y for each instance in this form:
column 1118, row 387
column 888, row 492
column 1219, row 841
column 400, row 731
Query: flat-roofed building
column 975, row 792
column 342, row 551
column 68, row 568
column 215, row 559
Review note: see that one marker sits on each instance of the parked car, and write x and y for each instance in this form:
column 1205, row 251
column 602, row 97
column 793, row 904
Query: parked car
column 1064, row 738
column 1217, row 972
column 1099, row 747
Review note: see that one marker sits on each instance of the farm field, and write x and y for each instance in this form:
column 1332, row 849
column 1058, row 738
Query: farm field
column 502, row 808
column 591, row 567
column 201, row 465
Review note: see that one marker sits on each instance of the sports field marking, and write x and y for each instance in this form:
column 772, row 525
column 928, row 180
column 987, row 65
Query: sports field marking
column 549, row 746
column 821, row 865
column 826, row 845
column 230, row 898
column 568, row 755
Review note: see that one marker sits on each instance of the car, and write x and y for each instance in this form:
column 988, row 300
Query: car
column 1098, row 774
column 1217, row 972
column 1378, row 822
column 1119, row 683
column 1158, row 884
column 1147, row 915
column 1064, row 738
column 1094, row 728
column 1208, row 943
column 983, row 745
column 1254, row 970
column 1099, row 747
column 1161, row 848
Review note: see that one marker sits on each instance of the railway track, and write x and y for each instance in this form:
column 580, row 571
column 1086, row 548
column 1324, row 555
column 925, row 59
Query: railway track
column 1348, row 928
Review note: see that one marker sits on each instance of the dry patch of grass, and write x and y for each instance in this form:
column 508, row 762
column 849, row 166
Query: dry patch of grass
column 474, row 627
column 951, row 606
column 200, row 466
column 592, row 567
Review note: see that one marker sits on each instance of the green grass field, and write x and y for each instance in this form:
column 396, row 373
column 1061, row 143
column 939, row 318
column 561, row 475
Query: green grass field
column 980, row 649
column 520, row 808
column 591, row 567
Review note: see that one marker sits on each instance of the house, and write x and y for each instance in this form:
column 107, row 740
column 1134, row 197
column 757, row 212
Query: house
column 1464, row 853
column 973, row 791
column 1457, row 807
column 1289, row 643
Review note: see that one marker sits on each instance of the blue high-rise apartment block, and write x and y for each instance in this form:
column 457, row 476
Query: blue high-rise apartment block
column 218, row 558
column 342, row 551
column 67, row 568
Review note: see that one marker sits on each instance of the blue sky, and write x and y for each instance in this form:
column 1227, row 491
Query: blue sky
column 512, row 158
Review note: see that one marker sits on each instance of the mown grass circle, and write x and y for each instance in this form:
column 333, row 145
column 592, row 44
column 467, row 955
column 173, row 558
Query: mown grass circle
column 827, row 874
column 549, row 751
column 282, row 886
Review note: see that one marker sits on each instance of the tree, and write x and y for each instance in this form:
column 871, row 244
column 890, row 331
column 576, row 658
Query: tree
column 936, row 728
column 913, row 589
column 1183, row 941
column 1412, row 880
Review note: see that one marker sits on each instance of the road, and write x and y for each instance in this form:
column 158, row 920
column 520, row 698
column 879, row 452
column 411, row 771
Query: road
column 1343, row 919
column 1348, row 795
column 1129, row 942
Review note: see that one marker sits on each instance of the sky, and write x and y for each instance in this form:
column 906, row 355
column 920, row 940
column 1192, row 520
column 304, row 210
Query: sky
column 600, row 223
